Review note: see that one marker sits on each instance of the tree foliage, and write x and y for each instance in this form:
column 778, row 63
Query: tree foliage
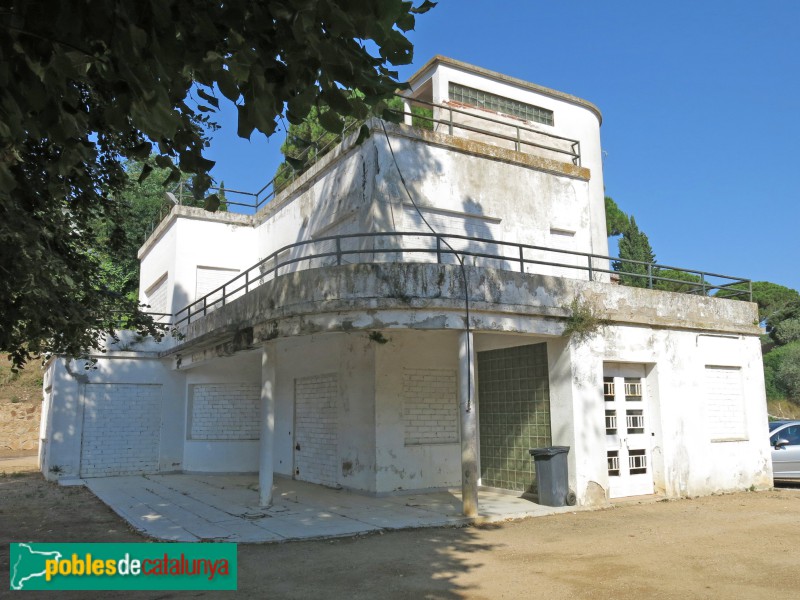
column 86, row 85
column 306, row 141
column 634, row 246
column 617, row 222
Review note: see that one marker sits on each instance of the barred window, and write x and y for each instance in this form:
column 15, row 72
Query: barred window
column 473, row 97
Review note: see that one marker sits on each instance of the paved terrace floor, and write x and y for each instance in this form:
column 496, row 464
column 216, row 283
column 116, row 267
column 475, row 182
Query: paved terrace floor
column 194, row 507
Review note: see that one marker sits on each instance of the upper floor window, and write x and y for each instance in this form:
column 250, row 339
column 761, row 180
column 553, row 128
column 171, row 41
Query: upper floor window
column 473, row 97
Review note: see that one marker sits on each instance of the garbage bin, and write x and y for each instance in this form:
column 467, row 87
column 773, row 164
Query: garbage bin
column 552, row 476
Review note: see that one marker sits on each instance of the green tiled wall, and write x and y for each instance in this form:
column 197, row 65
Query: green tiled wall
column 513, row 413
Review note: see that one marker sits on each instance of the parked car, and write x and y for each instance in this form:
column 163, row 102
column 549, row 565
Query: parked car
column 784, row 437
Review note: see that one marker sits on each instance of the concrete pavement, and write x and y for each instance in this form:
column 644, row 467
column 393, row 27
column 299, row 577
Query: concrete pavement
column 212, row 507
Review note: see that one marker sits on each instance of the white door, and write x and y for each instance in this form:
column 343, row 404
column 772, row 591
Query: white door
column 628, row 437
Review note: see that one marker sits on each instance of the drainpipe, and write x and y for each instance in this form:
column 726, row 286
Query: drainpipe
column 469, row 425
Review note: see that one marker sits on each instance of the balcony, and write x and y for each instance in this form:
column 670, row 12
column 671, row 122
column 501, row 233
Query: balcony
column 460, row 250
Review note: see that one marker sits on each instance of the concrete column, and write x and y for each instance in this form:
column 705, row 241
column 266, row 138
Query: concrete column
column 407, row 110
column 469, row 424
column 266, row 461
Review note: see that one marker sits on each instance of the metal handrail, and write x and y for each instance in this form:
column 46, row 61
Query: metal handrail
column 261, row 272
column 255, row 200
column 573, row 153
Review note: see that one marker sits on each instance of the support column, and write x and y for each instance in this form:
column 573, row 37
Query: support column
column 469, row 424
column 265, row 458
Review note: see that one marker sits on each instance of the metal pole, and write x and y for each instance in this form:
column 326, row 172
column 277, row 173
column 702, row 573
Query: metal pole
column 339, row 251
column 521, row 260
column 438, row 250
column 591, row 272
column 650, row 275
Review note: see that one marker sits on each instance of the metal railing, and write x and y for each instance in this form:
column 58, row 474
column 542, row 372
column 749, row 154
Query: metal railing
column 442, row 249
column 519, row 137
column 546, row 141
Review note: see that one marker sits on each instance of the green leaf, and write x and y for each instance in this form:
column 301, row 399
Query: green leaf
column 246, row 125
column 227, row 85
column 406, row 22
column 212, row 203
column 424, row 7
column 146, row 170
column 296, row 163
column 330, row 121
column 208, row 97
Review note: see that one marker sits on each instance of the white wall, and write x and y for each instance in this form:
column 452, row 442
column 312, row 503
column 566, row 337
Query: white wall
column 194, row 239
column 421, row 465
column 571, row 120
column 351, row 359
column 685, row 459
column 65, row 418
column 228, row 375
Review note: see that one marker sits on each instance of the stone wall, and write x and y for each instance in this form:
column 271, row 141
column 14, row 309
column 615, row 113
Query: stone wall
column 19, row 426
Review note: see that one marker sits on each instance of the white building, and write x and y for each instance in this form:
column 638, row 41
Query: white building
column 341, row 355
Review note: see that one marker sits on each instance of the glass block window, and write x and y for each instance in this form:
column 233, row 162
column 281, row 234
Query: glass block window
column 514, row 414
column 473, row 97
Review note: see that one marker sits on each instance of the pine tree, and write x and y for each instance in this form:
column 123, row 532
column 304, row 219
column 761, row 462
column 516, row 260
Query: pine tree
column 634, row 246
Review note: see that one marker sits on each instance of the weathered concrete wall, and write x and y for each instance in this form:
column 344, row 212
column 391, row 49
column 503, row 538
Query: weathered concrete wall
column 380, row 296
column 685, row 460
column 219, row 455
column 402, row 465
column 351, row 358
column 63, row 413
column 190, row 238
column 573, row 118
column 463, row 187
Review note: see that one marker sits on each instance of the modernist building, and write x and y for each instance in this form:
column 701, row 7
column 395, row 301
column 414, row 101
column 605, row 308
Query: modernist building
column 395, row 320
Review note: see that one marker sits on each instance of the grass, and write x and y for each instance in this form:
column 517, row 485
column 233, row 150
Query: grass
column 23, row 387
column 783, row 409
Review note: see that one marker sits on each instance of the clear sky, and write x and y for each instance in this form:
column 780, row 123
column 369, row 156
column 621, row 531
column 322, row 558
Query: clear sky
column 700, row 103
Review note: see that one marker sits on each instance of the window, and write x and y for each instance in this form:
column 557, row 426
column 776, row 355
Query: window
column 791, row 434
column 473, row 97
column 608, row 389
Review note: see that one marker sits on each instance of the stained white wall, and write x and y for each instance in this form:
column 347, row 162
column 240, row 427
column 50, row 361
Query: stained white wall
column 220, row 455
column 193, row 238
column 571, row 119
column 686, row 461
column 63, row 431
column 351, row 359
column 401, row 466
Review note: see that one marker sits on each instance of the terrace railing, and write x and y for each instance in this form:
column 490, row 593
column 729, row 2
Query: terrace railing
column 416, row 247
column 444, row 117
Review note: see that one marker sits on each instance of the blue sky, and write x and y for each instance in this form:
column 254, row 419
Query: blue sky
column 701, row 114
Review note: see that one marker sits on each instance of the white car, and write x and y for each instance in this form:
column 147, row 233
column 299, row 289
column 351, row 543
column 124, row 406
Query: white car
column 784, row 437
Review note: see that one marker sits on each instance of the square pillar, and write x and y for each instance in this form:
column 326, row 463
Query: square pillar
column 266, row 449
column 469, row 424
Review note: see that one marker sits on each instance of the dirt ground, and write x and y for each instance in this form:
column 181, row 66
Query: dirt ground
column 732, row 546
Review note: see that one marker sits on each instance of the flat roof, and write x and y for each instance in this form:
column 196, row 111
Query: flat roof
column 444, row 60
